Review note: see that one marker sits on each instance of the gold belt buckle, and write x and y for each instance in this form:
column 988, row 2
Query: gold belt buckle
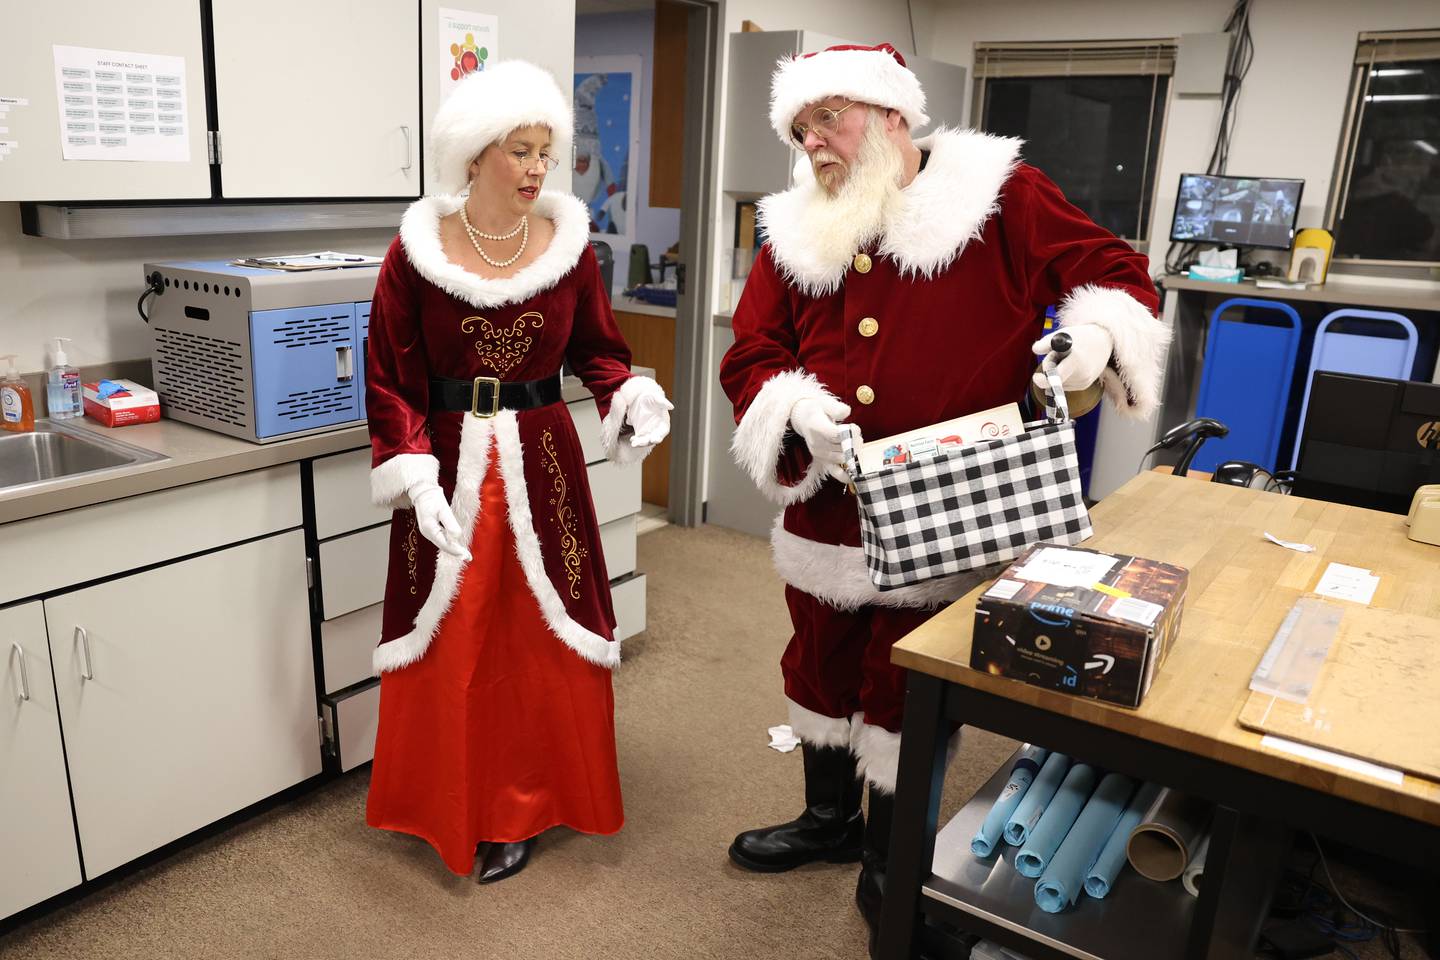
column 494, row 397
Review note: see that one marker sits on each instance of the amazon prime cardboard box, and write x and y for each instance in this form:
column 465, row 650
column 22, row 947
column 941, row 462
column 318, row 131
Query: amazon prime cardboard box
column 1093, row 624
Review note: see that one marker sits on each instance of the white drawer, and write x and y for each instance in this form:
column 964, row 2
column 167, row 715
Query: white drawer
column 347, row 644
column 616, row 490
column 352, row 571
column 628, row 598
column 353, row 718
column 617, row 543
column 586, row 416
column 90, row 543
column 342, row 494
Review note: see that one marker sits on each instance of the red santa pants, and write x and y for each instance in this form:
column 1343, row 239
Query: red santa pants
column 837, row 663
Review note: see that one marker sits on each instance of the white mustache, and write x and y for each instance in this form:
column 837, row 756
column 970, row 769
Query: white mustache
column 820, row 157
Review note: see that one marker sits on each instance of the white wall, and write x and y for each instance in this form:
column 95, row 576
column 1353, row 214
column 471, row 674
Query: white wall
column 633, row 33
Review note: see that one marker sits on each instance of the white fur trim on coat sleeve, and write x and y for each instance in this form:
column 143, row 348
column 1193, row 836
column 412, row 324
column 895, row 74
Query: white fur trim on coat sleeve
column 817, row 729
column 1140, row 344
column 613, row 433
column 836, row 574
column 760, row 436
column 391, row 481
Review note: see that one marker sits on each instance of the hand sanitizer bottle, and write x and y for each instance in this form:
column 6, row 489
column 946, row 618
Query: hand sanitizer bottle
column 62, row 386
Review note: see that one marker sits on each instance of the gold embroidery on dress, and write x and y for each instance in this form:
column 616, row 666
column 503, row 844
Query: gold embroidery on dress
column 412, row 550
column 571, row 553
column 502, row 347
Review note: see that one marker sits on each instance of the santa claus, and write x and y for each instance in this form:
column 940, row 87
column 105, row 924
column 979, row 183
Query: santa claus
column 904, row 283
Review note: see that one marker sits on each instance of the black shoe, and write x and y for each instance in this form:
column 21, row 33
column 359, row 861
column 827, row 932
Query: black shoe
column 505, row 860
column 870, row 888
column 830, row 830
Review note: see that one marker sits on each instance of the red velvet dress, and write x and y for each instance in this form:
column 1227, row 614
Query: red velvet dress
column 496, row 712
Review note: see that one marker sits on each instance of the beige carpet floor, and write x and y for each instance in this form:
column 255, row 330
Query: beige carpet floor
column 694, row 698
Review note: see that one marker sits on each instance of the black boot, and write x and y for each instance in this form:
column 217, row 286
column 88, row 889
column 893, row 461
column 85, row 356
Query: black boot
column 870, row 889
column 830, row 829
column 505, row 860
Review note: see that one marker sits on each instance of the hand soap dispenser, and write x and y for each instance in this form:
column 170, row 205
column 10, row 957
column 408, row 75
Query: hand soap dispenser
column 62, row 386
column 17, row 407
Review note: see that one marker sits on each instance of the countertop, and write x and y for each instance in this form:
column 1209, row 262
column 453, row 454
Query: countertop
column 624, row 304
column 195, row 454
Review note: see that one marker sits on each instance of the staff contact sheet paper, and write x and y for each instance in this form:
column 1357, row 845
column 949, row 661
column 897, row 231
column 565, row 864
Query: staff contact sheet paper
column 121, row 105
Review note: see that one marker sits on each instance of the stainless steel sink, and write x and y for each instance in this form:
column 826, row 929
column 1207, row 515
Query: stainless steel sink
column 56, row 451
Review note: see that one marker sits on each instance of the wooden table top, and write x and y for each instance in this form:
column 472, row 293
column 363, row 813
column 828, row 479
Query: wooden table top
column 1241, row 587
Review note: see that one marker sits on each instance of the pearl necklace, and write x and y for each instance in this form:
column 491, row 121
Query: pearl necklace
column 522, row 228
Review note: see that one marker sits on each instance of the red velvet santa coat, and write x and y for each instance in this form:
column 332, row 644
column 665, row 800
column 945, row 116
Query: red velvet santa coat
column 431, row 318
column 958, row 280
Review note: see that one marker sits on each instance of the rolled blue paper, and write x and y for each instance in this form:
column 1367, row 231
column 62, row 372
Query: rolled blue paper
column 1036, row 799
column 1056, row 821
column 1027, row 764
column 1060, row 885
column 1101, row 876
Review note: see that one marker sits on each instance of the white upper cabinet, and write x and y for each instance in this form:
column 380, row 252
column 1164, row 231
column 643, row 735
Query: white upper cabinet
column 317, row 100
column 122, row 106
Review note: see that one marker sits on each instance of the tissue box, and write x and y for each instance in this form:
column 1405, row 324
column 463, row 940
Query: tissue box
column 1094, row 624
column 119, row 403
column 1217, row 274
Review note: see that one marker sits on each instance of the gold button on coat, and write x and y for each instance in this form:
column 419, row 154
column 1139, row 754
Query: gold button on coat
column 862, row 262
column 864, row 394
column 869, row 327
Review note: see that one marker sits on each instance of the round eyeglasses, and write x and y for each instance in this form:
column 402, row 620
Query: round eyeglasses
column 526, row 160
column 823, row 120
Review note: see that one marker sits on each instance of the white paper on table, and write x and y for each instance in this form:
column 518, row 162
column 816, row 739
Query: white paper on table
column 1341, row 582
column 1066, row 568
column 121, row 105
column 782, row 738
column 1288, row 545
column 1364, row 767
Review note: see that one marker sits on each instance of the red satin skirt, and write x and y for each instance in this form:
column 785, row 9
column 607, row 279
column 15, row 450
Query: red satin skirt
column 500, row 730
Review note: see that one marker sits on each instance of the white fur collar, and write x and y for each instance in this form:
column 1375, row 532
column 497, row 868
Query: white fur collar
column 420, row 235
column 943, row 209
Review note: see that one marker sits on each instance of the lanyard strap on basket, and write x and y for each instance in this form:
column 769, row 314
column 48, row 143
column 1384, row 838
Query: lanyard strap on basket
column 1057, row 407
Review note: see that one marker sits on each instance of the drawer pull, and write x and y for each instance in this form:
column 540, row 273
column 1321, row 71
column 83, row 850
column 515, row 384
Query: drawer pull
column 24, row 676
column 89, row 672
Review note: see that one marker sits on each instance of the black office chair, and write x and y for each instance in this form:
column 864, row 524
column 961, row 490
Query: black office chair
column 1188, row 437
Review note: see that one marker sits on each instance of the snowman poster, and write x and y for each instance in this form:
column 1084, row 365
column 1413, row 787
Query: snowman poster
column 607, row 131
column 468, row 41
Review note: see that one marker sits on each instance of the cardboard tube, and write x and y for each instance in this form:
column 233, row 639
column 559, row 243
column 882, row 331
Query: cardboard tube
column 1195, row 870
column 1161, row 844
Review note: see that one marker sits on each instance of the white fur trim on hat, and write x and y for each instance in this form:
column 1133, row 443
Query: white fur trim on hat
column 1140, row 345
column 868, row 75
column 484, row 107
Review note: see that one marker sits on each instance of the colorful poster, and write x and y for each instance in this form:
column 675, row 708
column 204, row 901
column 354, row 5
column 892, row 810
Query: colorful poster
column 468, row 41
column 607, row 132
column 120, row 105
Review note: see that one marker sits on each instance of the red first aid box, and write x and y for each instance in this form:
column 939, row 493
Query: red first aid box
column 132, row 403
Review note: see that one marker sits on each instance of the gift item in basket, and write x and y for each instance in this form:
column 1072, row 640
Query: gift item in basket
column 1094, row 624
column 947, row 437
column 971, row 507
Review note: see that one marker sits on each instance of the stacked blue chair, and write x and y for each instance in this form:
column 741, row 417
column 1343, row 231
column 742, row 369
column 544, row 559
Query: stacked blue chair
column 1246, row 380
column 1361, row 354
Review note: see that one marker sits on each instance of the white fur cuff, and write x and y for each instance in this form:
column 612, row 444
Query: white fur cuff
column 1140, row 344
column 613, row 432
column 390, row 482
column 759, row 439
column 817, row 729
column 877, row 755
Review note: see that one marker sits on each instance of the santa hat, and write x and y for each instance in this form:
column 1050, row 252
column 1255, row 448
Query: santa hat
column 875, row 75
column 486, row 106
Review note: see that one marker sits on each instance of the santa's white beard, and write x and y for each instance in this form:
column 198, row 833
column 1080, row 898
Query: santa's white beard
column 840, row 223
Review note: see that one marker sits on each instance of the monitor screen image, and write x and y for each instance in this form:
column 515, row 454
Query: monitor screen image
column 1237, row 211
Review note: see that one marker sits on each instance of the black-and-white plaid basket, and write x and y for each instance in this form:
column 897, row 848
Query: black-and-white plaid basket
column 981, row 505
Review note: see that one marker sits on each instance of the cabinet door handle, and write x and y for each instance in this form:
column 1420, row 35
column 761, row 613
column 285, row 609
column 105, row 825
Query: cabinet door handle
column 24, row 677
column 345, row 363
column 89, row 672
column 406, row 130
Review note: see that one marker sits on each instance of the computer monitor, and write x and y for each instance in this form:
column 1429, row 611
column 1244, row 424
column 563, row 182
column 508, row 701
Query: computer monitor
column 1369, row 441
column 1237, row 211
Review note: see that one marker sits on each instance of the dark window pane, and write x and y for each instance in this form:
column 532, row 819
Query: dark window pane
column 1393, row 209
column 1091, row 135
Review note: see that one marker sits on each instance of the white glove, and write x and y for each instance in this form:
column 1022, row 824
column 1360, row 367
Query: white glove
column 649, row 417
column 436, row 520
column 1091, row 347
column 817, row 420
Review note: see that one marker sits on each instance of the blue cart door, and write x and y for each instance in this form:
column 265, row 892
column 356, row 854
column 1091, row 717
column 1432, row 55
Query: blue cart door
column 304, row 368
column 362, row 344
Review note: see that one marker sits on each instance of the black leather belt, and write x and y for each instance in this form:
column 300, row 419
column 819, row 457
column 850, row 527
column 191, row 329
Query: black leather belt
column 487, row 396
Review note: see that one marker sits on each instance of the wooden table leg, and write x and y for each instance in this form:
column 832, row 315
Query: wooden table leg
column 921, row 777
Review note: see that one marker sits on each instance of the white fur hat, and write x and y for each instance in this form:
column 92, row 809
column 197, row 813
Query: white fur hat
column 875, row 75
column 484, row 107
